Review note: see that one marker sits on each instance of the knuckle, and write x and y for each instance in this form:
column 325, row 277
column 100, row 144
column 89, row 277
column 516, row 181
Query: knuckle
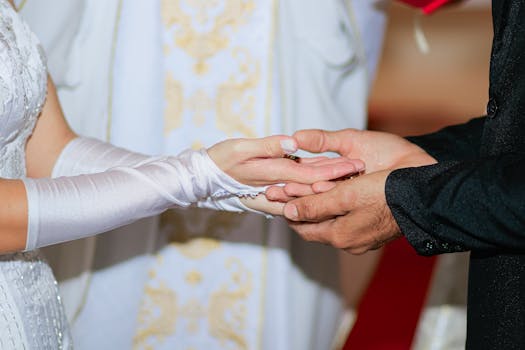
column 322, row 138
column 339, row 242
column 289, row 189
column 305, row 232
column 268, row 148
column 308, row 237
column 273, row 194
column 308, row 210
column 359, row 251
column 239, row 146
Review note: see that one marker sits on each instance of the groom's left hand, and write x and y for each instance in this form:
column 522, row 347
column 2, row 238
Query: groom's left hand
column 353, row 215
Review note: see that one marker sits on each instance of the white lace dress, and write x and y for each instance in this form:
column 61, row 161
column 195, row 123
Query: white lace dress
column 31, row 313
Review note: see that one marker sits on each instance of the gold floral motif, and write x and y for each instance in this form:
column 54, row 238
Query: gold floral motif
column 193, row 311
column 202, row 29
column 193, row 278
column 198, row 104
column 197, row 248
column 157, row 316
column 174, row 103
column 203, row 26
column 227, row 311
column 196, row 145
column 234, row 104
column 236, row 99
column 185, row 229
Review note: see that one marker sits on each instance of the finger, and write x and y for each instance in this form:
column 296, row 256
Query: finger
column 322, row 171
column 318, row 141
column 271, row 171
column 338, row 160
column 277, row 194
column 309, row 160
column 359, row 165
column 313, row 232
column 327, row 170
column 266, row 147
column 337, row 232
column 293, row 189
column 323, row 186
column 260, row 203
column 318, row 207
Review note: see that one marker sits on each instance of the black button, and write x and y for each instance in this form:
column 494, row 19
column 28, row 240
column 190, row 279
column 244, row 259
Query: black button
column 492, row 108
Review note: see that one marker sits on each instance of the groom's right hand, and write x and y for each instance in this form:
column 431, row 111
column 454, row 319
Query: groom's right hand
column 353, row 214
column 378, row 150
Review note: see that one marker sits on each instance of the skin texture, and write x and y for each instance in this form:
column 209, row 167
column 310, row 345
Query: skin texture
column 353, row 214
column 250, row 161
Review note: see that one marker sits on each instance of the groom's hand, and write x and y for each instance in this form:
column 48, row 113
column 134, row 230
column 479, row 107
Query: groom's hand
column 353, row 215
column 378, row 150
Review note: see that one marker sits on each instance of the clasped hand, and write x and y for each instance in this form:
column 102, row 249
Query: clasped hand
column 351, row 214
column 260, row 162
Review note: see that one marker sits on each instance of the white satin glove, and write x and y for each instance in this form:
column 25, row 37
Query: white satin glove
column 85, row 155
column 134, row 187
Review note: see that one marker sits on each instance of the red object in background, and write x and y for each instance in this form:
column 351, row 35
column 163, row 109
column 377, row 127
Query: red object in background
column 428, row 6
column 388, row 313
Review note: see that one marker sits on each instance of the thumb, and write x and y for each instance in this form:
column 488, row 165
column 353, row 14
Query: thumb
column 318, row 141
column 314, row 208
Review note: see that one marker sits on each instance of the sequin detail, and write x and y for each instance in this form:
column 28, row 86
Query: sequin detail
column 31, row 312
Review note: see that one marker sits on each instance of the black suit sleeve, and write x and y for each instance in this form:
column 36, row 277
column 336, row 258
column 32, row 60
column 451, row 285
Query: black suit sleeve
column 454, row 142
column 476, row 205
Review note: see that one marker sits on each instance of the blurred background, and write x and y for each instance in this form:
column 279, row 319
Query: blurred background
column 416, row 92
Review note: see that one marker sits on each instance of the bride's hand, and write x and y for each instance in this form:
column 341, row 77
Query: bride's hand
column 260, row 162
column 262, row 204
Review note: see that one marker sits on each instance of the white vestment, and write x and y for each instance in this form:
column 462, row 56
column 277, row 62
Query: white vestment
column 247, row 68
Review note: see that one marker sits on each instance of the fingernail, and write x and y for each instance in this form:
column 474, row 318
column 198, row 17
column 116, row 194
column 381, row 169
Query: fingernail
column 288, row 145
column 360, row 166
column 290, row 211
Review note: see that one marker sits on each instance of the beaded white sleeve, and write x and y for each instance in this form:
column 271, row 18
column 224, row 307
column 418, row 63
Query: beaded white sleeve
column 134, row 186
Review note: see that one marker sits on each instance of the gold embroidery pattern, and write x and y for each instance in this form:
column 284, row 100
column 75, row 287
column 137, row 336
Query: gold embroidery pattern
column 197, row 248
column 226, row 312
column 196, row 145
column 193, row 312
column 198, row 104
column 174, row 103
column 229, row 99
column 159, row 313
column 185, row 229
column 202, row 29
column 235, row 98
column 202, row 44
column 193, row 277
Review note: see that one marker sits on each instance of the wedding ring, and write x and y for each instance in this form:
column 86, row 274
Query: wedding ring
column 296, row 159
column 349, row 176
